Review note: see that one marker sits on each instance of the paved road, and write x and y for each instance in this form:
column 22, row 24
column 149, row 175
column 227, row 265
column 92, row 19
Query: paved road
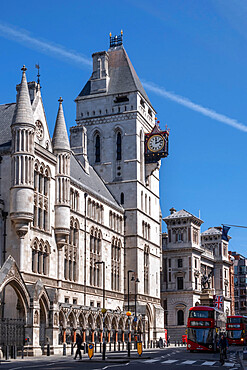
column 176, row 358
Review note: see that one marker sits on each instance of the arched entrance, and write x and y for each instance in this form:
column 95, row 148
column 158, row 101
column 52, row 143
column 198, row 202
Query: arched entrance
column 42, row 326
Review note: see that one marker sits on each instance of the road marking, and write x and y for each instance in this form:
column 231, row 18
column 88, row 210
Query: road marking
column 208, row 363
column 150, row 361
column 169, row 361
column 229, row 364
column 188, row 362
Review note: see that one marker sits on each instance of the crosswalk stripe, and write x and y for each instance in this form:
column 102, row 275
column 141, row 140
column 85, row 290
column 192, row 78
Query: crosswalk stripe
column 208, row 363
column 150, row 361
column 188, row 362
column 229, row 364
column 169, row 361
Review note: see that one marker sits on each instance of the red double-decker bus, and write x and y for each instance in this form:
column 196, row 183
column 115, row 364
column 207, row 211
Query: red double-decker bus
column 236, row 327
column 203, row 328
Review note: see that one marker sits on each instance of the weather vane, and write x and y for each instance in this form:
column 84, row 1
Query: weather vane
column 38, row 75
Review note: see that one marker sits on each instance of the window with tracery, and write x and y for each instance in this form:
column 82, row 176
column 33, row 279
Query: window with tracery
column 41, row 196
column 71, row 252
column 74, row 199
column 41, row 251
column 115, row 264
column 145, row 230
column 95, row 211
column 95, row 256
column 115, row 222
column 146, row 269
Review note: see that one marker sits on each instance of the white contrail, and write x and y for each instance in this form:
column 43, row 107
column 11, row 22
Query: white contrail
column 42, row 46
column 22, row 37
column 193, row 106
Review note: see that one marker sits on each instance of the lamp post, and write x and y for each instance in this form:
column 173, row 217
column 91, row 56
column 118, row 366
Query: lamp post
column 103, row 309
column 129, row 313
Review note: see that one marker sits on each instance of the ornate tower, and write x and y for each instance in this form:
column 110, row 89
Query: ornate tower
column 61, row 149
column 23, row 127
column 115, row 109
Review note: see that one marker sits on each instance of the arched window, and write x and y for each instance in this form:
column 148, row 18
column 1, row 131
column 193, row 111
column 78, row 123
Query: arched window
column 119, row 146
column 115, row 264
column 40, row 257
column 71, row 252
column 95, row 256
column 97, row 148
column 146, row 269
column 180, row 317
column 41, row 196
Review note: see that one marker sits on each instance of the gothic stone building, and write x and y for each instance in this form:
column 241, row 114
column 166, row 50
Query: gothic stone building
column 196, row 266
column 77, row 215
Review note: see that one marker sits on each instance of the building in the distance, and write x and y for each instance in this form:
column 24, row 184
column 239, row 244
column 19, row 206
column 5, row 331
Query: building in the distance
column 196, row 269
column 240, row 283
column 80, row 218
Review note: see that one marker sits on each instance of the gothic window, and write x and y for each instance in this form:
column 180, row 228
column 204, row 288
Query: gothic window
column 74, row 199
column 115, row 264
column 95, row 256
column 71, row 252
column 40, row 257
column 41, row 196
column 146, row 269
column 119, row 146
column 97, row 148
column 180, row 317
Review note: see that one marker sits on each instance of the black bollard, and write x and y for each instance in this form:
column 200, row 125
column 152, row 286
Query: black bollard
column 22, row 352
column 7, row 353
column 118, row 346
column 175, row 343
column 178, row 343
column 100, row 347
column 48, row 350
column 85, row 348
column 72, row 349
column 64, row 349
column 14, row 351
column 114, row 347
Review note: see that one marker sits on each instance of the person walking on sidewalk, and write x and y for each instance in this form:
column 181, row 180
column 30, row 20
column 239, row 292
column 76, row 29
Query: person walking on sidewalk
column 78, row 344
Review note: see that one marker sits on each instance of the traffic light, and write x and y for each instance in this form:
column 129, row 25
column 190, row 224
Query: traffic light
column 27, row 340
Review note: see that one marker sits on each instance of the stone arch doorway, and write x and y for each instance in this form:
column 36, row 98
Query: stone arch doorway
column 42, row 325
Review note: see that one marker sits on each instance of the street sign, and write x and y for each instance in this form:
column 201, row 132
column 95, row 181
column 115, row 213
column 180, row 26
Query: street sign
column 139, row 348
column 90, row 350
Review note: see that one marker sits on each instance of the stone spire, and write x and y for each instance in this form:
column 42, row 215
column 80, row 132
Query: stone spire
column 60, row 140
column 23, row 111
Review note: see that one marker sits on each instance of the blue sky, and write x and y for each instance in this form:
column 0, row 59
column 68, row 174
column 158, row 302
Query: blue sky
column 191, row 55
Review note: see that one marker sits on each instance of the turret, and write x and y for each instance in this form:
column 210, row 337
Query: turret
column 23, row 128
column 61, row 148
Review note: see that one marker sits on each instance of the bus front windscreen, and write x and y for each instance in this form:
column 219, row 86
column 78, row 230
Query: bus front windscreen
column 201, row 314
column 234, row 334
column 234, row 320
column 200, row 336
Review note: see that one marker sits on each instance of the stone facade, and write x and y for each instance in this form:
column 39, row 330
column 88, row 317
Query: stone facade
column 196, row 267
column 240, row 280
column 77, row 216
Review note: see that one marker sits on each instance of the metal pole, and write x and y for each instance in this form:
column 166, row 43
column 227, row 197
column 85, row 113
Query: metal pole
column 129, row 271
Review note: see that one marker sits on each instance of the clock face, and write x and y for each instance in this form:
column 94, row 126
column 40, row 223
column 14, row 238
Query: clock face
column 156, row 143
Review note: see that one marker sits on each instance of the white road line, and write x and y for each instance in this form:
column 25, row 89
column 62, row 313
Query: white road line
column 169, row 361
column 188, row 362
column 208, row 363
column 229, row 364
column 150, row 361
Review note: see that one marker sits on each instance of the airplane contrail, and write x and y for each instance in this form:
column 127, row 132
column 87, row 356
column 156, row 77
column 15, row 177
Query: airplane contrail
column 193, row 106
column 42, row 46
column 22, row 37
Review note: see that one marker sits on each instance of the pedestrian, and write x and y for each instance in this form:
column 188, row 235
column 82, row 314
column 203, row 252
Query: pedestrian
column 78, row 344
column 223, row 345
column 168, row 340
column 161, row 342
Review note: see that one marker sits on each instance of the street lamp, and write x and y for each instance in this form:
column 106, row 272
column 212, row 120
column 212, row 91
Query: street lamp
column 136, row 280
column 128, row 313
column 103, row 309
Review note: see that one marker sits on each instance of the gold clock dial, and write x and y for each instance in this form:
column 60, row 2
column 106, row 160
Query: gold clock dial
column 155, row 143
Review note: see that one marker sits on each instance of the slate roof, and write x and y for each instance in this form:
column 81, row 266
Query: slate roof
column 6, row 117
column 179, row 214
column 91, row 181
column 123, row 77
column 212, row 231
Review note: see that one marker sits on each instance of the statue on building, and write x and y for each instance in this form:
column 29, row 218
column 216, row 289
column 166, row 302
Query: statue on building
column 206, row 280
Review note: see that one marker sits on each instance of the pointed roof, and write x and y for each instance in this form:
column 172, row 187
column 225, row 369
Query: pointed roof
column 23, row 111
column 123, row 77
column 212, row 231
column 60, row 138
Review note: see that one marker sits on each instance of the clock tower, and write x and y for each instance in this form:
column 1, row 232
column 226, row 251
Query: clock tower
column 114, row 114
